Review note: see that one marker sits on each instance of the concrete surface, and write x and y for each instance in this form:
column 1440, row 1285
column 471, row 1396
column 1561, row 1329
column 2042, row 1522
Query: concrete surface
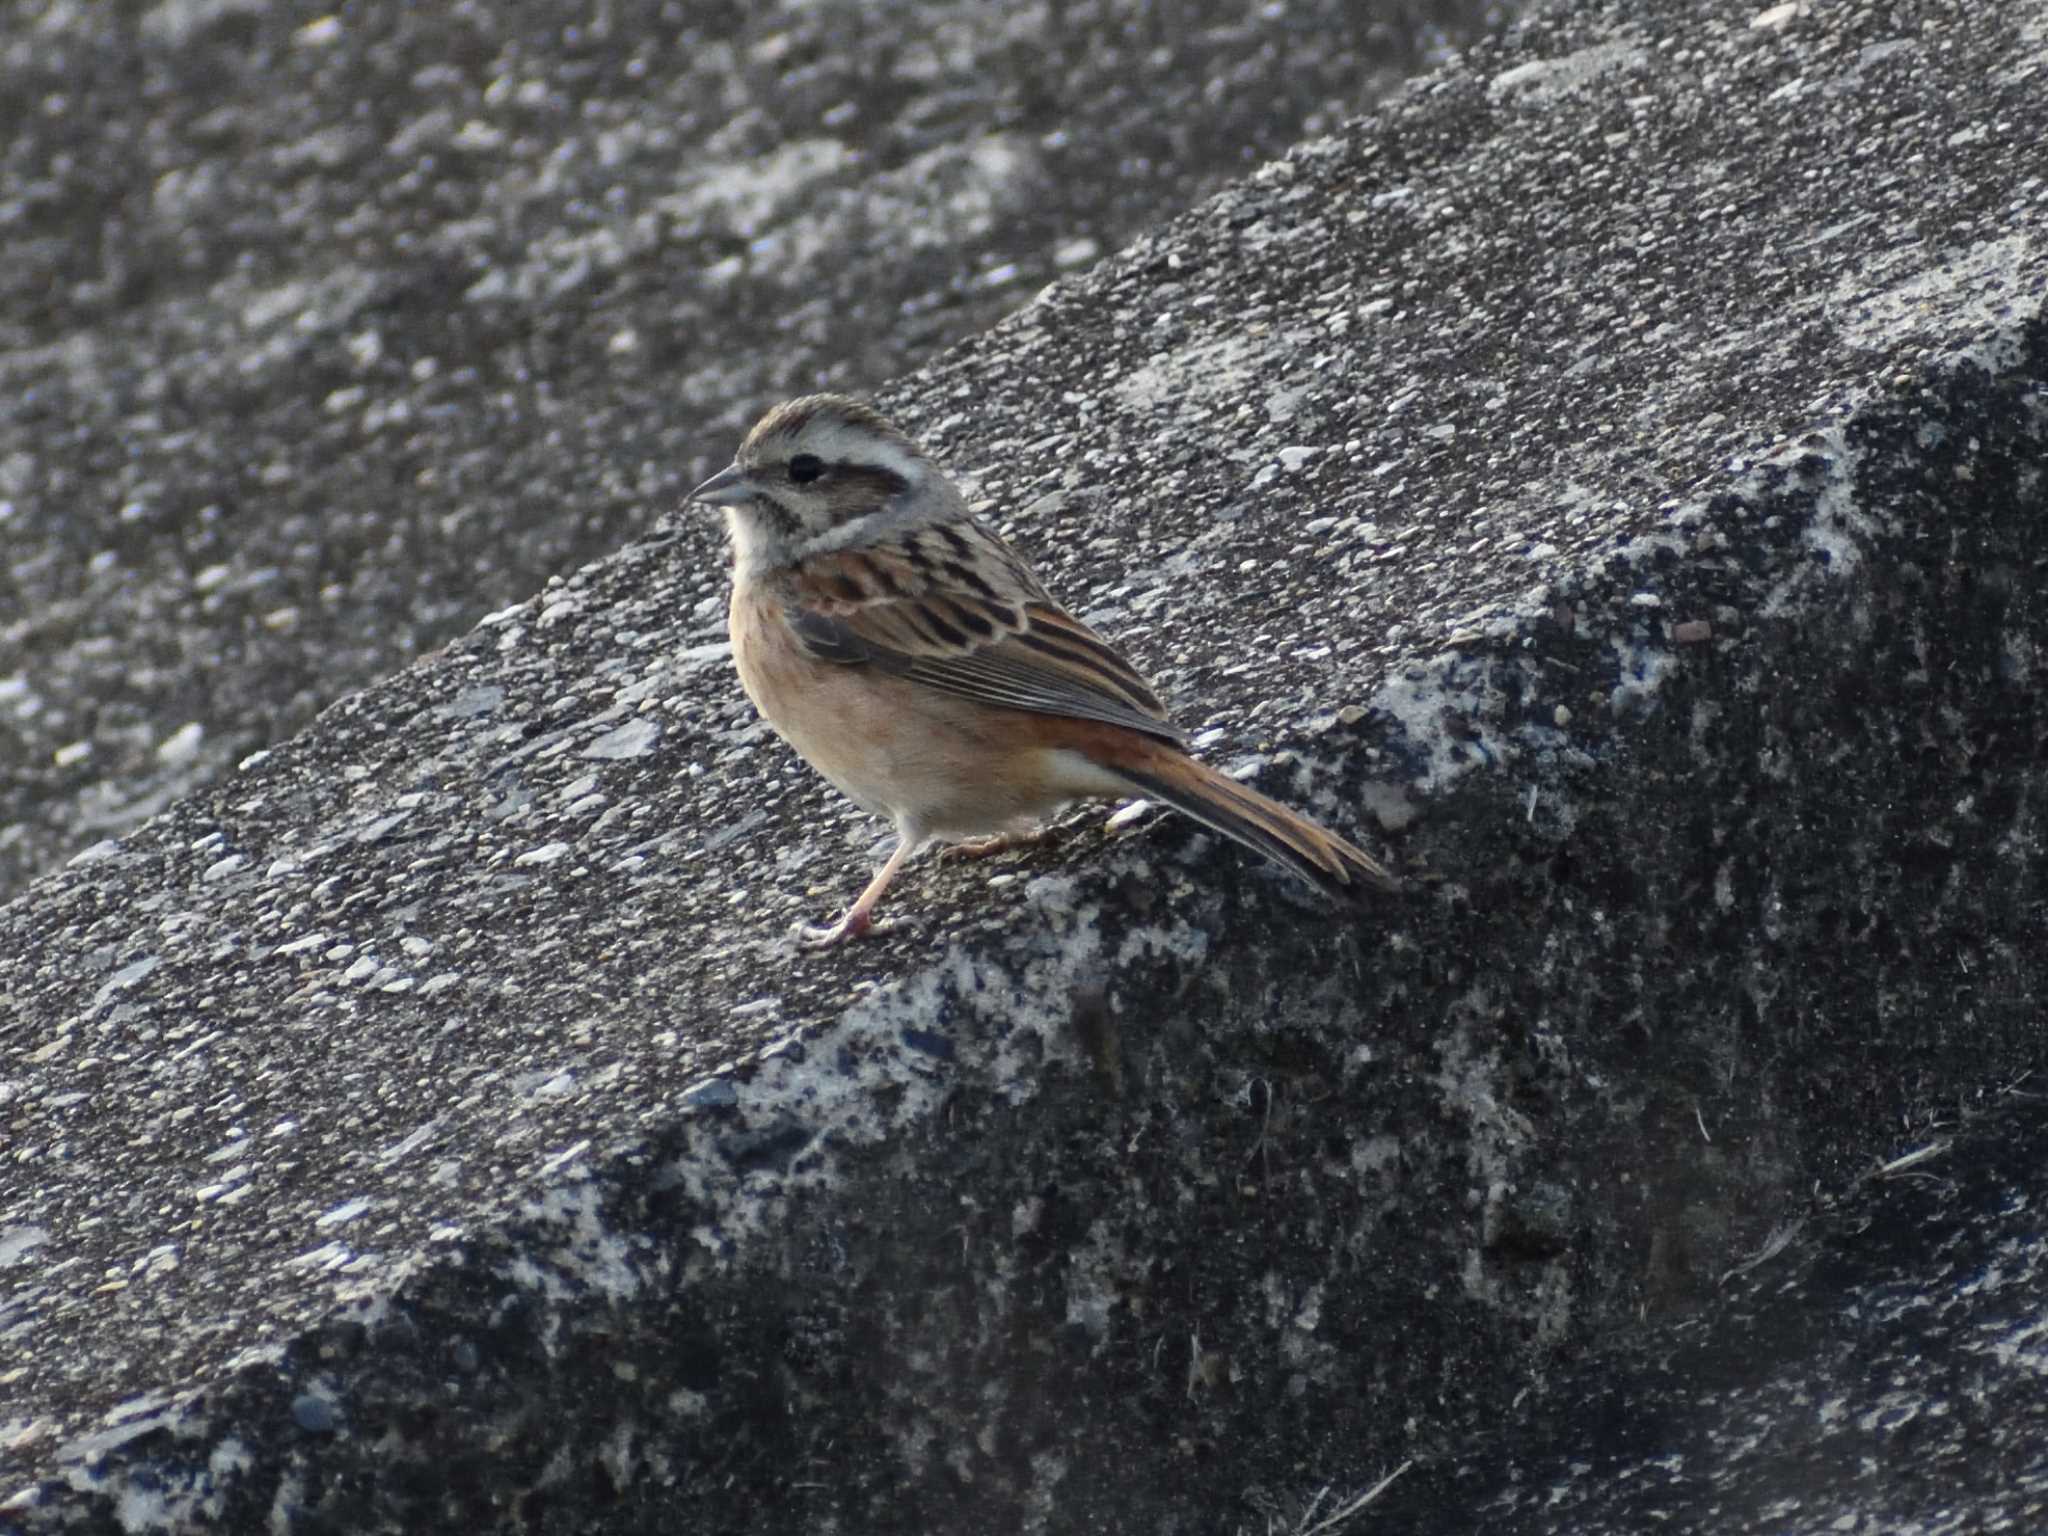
column 1609, row 481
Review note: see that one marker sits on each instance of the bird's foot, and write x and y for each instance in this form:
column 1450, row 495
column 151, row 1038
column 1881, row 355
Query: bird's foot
column 856, row 924
column 988, row 847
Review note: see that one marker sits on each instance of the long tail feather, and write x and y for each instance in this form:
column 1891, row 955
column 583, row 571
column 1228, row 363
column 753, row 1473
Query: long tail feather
column 1265, row 826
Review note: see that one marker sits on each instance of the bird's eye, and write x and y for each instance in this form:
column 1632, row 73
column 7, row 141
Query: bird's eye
column 805, row 468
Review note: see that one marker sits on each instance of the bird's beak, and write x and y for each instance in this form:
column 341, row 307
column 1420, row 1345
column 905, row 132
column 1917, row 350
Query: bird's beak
column 728, row 487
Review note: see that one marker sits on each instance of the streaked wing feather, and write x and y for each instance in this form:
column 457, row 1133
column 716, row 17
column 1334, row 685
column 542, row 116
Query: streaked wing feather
column 954, row 608
column 1058, row 638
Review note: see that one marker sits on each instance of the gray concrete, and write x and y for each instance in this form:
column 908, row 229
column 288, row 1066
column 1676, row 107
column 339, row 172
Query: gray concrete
column 1609, row 481
column 320, row 338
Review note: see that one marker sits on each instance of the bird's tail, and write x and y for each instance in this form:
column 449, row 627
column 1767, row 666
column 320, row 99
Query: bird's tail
column 1244, row 815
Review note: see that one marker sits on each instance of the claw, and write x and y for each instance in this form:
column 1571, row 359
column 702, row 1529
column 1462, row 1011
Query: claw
column 854, row 925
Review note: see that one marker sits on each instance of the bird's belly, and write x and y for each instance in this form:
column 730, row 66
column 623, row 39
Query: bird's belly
column 942, row 766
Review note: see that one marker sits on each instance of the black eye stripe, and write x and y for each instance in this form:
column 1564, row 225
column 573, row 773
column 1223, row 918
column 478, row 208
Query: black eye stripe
column 871, row 480
column 848, row 481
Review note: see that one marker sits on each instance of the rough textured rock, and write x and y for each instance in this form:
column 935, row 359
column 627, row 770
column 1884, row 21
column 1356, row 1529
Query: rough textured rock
column 322, row 336
column 1611, row 479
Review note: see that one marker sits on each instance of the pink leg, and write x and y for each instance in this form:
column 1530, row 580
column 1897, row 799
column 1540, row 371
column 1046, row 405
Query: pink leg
column 988, row 847
column 859, row 917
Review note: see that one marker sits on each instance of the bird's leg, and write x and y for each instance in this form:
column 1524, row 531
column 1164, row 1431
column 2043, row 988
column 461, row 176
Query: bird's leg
column 989, row 847
column 859, row 917
column 1003, row 842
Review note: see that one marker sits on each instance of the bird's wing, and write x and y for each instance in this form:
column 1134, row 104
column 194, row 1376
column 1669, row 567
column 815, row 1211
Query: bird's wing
column 953, row 607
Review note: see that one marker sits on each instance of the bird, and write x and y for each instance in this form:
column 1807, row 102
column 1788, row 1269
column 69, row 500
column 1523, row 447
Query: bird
column 915, row 660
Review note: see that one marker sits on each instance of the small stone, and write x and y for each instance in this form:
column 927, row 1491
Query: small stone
column 711, row 1093
column 182, row 745
column 636, row 738
column 315, row 1415
column 1129, row 816
column 471, row 702
column 344, row 1213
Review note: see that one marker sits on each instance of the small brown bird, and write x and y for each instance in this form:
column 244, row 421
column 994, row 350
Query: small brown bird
column 913, row 658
